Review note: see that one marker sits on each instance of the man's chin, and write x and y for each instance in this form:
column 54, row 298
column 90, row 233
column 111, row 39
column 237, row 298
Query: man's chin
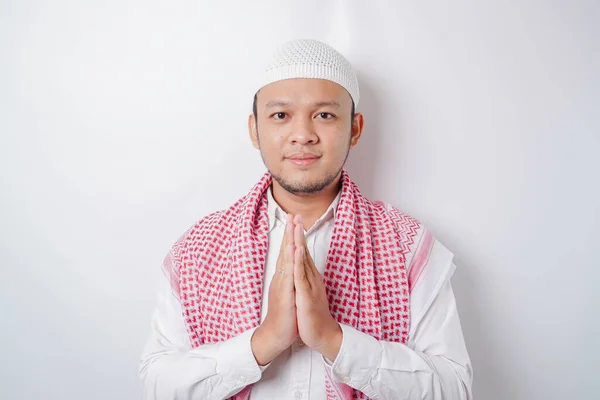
column 304, row 185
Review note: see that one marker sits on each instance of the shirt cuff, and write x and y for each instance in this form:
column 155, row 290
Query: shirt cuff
column 236, row 362
column 358, row 358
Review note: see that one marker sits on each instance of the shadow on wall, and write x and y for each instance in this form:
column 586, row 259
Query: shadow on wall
column 364, row 165
column 490, row 381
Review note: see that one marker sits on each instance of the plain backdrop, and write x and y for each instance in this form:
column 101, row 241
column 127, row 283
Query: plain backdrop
column 124, row 122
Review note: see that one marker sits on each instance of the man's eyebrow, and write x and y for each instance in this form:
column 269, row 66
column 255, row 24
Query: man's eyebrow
column 278, row 103
column 332, row 103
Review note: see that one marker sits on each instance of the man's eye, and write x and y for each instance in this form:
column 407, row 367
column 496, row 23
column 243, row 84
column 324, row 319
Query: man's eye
column 325, row 115
column 279, row 115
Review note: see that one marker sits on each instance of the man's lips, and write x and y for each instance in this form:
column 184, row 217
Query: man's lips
column 303, row 159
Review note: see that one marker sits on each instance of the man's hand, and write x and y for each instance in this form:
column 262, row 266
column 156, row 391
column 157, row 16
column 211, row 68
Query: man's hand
column 317, row 328
column 279, row 328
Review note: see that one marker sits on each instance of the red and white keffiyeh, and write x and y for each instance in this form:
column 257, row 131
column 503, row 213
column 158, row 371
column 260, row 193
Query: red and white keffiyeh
column 216, row 270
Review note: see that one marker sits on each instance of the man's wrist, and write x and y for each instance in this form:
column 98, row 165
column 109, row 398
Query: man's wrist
column 333, row 343
column 264, row 348
column 260, row 348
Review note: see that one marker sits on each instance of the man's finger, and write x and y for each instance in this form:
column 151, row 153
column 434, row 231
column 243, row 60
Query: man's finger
column 300, row 279
column 300, row 242
column 311, row 268
column 288, row 267
column 289, row 238
column 299, row 239
column 283, row 250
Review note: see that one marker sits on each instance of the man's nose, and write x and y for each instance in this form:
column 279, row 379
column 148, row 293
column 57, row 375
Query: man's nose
column 303, row 131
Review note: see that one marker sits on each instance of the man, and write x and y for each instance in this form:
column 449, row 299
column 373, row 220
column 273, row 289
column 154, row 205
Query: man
column 305, row 289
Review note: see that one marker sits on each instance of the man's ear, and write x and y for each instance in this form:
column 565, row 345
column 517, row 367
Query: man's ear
column 253, row 131
column 357, row 128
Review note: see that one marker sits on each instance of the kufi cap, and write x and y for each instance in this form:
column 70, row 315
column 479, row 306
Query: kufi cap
column 307, row 58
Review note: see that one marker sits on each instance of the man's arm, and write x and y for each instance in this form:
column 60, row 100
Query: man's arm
column 434, row 365
column 170, row 369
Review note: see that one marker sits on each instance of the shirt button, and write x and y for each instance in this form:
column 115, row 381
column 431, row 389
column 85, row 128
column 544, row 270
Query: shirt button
column 346, row 379
column 298, row 394
column 242, row 379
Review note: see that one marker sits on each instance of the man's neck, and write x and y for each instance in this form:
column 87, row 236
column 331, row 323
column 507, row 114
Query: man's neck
column 309, row 206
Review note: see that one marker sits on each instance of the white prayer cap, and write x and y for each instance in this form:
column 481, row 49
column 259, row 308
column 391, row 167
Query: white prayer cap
column 307, row 58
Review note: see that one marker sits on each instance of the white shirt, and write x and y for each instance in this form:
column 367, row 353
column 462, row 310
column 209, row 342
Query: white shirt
column 434, row 364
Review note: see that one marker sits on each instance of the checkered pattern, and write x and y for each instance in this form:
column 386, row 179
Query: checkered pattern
column 216, row 269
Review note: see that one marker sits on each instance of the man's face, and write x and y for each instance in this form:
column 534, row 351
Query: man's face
column 304, row 131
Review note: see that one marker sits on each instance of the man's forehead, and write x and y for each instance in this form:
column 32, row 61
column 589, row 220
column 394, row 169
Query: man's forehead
column 283, row 103
column 303, row 90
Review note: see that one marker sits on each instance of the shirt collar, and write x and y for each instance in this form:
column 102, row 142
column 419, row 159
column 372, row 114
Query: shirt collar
column 276, row 212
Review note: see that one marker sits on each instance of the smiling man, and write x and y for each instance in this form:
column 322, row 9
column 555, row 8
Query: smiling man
column 304, row 288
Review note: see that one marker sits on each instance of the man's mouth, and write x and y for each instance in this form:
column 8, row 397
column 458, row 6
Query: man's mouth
column 303, row 159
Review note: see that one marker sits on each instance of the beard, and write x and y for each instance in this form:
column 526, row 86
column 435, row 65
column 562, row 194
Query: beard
column 307, row 187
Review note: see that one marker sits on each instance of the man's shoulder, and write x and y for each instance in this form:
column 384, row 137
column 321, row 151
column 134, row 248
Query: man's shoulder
column 215, row 224
column 411, row 231
column 398, row 216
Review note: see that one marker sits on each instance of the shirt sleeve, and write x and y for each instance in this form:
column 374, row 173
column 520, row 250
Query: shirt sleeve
column 170, row 369
column 434, row 365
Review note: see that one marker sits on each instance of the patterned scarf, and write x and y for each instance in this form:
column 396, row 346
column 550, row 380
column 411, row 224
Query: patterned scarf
column 216, row 270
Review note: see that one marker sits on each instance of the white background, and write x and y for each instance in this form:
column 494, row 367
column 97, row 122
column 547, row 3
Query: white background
column 123, row 122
